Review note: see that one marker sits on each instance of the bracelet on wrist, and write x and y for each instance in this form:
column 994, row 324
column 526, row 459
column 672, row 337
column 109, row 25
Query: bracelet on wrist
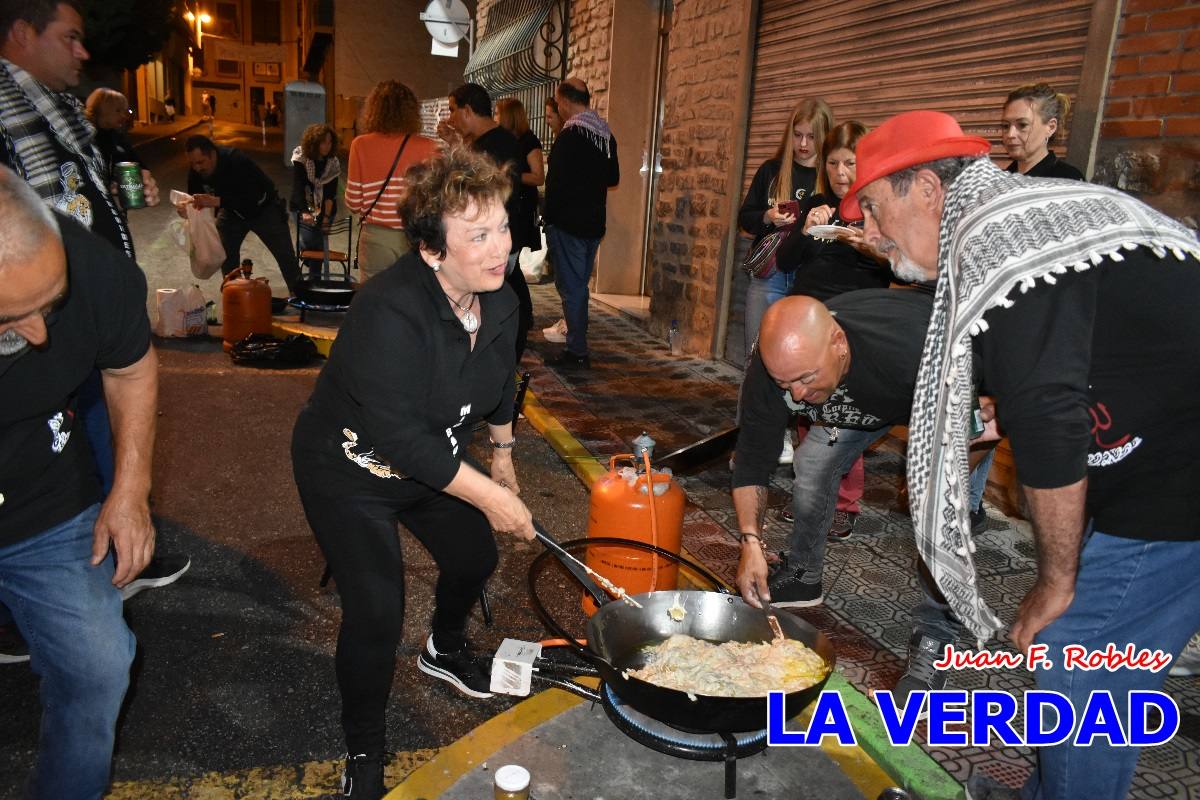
column 503, row 445
column 761, row 544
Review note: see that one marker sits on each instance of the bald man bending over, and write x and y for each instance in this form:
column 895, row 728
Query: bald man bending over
column 849, row 367
column 70, row 303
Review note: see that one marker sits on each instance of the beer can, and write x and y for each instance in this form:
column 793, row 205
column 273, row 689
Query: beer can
column 129, row 179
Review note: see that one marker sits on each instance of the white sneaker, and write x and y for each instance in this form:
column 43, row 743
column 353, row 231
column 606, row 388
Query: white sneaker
column 789, row 452
column 556, row 332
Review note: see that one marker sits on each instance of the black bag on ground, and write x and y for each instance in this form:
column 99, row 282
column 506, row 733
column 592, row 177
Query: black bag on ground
column 264, row 350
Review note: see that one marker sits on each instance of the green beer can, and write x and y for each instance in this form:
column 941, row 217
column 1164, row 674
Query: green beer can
column 129, row 179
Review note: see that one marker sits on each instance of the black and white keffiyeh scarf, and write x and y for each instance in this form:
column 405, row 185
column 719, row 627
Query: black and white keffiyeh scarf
column 593, row 126
column 333, row 169
column 31, row 118
column 999, row 232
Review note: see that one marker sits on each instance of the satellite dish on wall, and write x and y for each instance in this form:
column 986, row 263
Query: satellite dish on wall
column 448, row 22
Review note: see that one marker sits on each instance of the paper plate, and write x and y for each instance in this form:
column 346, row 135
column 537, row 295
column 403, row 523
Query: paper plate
column 830, row 231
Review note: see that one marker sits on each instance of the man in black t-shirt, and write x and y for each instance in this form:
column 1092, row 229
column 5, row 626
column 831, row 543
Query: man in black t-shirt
column 1080, row 304
column 246, row 201
column 70, row 304
column 46, row 138
column 848, row 367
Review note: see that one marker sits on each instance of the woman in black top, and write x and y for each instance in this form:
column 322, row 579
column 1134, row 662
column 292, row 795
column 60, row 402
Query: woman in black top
column 315, row 172
column 510, row 115
column 424, row 353
column 824, row 268
column 763, row 210
column 1032, row 117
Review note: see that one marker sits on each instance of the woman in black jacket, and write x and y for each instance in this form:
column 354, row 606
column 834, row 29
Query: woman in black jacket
column 826, row 267
column 763, row 209
column 1033, row 115
column 424, row 353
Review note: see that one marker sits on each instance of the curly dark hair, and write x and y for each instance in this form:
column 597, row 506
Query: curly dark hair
column 310, row 141
column 391, row 108
column 445, row 185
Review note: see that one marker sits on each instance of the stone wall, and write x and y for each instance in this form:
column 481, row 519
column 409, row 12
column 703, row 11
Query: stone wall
column 698, row 187
column 1150, row 135
column 589, row 47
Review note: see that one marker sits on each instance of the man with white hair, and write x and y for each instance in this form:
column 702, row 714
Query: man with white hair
column 71, row 304
column 1079, row 303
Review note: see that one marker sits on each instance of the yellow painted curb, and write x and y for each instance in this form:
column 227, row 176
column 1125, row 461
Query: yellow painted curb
column 457, row 759
column 322, row 335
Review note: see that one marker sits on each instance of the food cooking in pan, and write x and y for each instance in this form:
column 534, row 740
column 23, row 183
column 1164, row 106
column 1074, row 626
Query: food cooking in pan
column 731, row 669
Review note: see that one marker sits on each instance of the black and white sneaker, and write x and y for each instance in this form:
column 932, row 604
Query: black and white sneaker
column 461, row 670
column 923, row 652
column 788, row 590
column 161, row 571
column 362, row 778
column 13, row 649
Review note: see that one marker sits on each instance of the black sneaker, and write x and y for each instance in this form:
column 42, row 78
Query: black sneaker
column 979, row 521
column 923, row 651
column 789, row 591
column 459, row 669
column 13, row 649
column 568, row 360
column 161, row 571
column 363, row 777
column 843, row 526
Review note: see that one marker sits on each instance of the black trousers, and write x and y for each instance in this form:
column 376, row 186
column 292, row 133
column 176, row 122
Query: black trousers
column 357, row 534
column 271, row 226
column 516, row 279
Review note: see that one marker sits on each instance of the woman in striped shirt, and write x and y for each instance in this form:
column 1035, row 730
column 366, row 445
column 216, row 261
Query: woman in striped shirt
column 375, row 180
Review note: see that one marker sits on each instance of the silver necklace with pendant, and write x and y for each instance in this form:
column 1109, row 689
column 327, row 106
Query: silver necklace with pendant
column 468, row 320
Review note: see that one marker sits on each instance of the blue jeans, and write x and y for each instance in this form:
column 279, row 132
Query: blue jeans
column 573, row 259
column 760, row 294
column 1127, row 591
column 818, row 466
column 70, row 615
column 979, row 477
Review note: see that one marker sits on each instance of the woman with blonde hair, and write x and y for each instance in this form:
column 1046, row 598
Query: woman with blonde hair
column 772, row 201
column 379, row 157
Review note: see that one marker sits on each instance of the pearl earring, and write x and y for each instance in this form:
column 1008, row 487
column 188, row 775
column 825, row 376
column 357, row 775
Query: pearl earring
column 435, row 266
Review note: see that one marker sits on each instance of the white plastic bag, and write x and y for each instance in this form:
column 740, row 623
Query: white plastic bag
column 203, row 241
column 181, row 313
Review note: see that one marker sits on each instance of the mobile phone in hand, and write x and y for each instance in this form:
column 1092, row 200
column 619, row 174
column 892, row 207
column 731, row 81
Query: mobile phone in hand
column 790, row 207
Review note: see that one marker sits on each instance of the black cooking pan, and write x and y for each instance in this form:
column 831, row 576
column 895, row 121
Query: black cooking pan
column 618, row 633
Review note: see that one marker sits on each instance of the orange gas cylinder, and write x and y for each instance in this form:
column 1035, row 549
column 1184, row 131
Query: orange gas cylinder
column 245, row 308
column 623, row 507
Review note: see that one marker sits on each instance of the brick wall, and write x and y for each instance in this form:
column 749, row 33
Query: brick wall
column 695, row 192
column 589, row 47
column 1150, row 134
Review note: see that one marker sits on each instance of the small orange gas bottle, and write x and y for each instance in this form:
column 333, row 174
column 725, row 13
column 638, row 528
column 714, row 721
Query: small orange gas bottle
column 245, row 306
column 625, row 506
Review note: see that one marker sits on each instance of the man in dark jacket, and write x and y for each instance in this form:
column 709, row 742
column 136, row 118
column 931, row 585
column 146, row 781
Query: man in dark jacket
column 246, row 200
column 583, row 167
